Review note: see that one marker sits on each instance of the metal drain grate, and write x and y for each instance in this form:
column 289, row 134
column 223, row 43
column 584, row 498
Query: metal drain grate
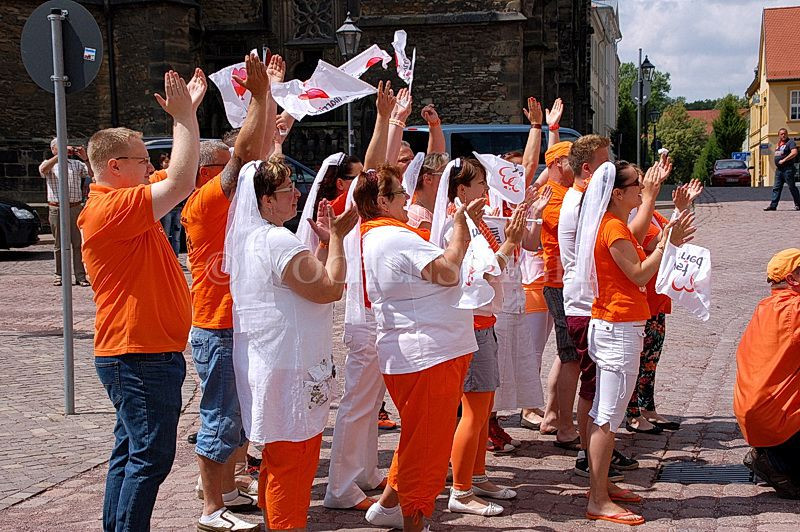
column 697, row 473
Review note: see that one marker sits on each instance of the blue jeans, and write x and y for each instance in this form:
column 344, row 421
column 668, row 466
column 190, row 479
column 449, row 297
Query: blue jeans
column 146, row 392
column 785, row 176
column 171, row 222
column 221, row 432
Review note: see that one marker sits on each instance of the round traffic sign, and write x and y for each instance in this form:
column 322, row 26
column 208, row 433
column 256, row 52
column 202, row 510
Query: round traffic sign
column 82, row 45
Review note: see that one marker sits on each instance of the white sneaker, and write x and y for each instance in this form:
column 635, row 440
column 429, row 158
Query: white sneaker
column 252, row 489
column 386, row 517
column 227, row 521
column 454, row 505
column 243, row 501
column 501, row 494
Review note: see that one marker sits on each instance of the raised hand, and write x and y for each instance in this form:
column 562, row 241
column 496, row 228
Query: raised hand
column 197, row 87
column 322, row 226
column 680, row 197
column 652, row 181
column 430, row 115
column 475, row 210
column 276, row 69
column 515, row 227
column 553, row 115
column 694, row 189
column 682, row 230
column 534, row 111
column 344, row 223
column 178, row 101
column 385, row 99
column 402, row 106
column 664, row 166
column 257, row 81
column 538, row 205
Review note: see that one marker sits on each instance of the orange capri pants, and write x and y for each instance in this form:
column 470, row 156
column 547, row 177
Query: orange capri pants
column 428, row 404
column 285, row 480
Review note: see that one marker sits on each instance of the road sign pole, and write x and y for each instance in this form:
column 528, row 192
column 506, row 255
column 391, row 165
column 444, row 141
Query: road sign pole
column 640, row 83
column 56, row 18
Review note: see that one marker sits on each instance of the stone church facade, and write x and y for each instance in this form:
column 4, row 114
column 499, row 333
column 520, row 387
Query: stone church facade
column 477, row 60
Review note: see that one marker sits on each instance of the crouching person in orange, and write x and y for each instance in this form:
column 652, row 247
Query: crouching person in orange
column 765, row 399
column 424, row 344
column 284, row 371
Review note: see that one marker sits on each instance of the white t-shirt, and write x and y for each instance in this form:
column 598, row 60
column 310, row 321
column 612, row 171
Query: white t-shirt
column 284, row 370
column 574, row 304
column 418, row 327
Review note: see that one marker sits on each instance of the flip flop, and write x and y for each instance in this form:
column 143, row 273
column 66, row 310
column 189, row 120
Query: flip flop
column 618, row 518
column 668, row 425
column 574, row 445
column 622, row 496
column 524, row 423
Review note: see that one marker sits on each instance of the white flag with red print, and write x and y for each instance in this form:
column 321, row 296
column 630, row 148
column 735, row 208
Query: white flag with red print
column 234, row 97
column 405, row 66
column 504, row 177
column 326, row 89
column 685, row 276
column 365, row 60
column 478, row 260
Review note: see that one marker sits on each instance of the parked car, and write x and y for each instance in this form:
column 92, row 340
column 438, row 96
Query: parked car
column 302, row 175
column 731, row 173
column 462, row 139
column 19, row 224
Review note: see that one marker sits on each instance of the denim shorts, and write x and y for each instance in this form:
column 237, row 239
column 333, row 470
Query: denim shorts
column 221, row 432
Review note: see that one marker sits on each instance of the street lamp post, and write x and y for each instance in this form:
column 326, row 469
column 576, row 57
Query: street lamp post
column 655, row 115
column 348, row 37
column 645, row 73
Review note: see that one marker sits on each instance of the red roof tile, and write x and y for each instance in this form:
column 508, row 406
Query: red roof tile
column 709, row 115
column 781, row 40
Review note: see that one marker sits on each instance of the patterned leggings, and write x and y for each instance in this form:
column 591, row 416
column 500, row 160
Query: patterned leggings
column 643, row 393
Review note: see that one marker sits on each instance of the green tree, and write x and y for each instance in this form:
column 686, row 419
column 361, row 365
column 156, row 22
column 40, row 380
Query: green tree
column 713, row 103
column 730, row 127
column 625, row 134
column 684, row 137
column 705, row 162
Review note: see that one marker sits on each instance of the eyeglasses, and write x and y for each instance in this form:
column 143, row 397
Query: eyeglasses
column 393, row 193
column 142, row 160
column 290, row 188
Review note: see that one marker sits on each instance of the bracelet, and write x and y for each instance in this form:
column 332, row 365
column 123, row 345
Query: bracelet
column 323, row 245
column 501, row 255
column 552, row 127
column 536, row 126
column 396, row 122
column 435, row 123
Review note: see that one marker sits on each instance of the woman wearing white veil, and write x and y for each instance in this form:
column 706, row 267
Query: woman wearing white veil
column 282, row 352
column 614, row 269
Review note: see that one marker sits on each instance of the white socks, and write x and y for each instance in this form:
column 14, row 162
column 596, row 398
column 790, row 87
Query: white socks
column 207, row 519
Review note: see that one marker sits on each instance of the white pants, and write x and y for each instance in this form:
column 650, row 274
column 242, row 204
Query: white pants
column 615, row 348
column 354, row 452
column 520, row 343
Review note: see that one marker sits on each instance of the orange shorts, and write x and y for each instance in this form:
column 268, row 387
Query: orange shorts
column 284, row 482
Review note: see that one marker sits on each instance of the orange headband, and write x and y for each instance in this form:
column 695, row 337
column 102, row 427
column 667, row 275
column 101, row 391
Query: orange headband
column 557, row 151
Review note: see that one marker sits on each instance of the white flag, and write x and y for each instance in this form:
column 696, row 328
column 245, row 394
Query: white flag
column 326, row 89
column 685, row 276
column 365, row 60
column 235, row 97
column 405, row 66
column 479, row 260
column 504, row 177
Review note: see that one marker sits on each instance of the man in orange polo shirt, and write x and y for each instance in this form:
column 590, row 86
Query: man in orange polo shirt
column 560, row 179
column 143, row 305
column 204, row 217
column 766, row 399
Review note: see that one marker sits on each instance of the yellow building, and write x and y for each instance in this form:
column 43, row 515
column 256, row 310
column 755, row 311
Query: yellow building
column 774, row 94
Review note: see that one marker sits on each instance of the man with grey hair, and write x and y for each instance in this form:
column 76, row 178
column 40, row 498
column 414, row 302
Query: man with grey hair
column 77, row 173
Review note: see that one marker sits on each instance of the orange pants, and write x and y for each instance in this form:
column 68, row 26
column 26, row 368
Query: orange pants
column 284, row 482
column 469, row 444
column 428, row 403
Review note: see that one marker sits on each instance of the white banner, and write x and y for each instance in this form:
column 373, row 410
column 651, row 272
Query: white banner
column 685, row 276
column 405, row 66
column 366, row 59
column 479, row 260
column 235, row 98
column 326, row 89
column 504, row 177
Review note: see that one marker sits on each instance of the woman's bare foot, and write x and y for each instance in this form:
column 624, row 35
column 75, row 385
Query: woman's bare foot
column 653, row 416
column 640, row 423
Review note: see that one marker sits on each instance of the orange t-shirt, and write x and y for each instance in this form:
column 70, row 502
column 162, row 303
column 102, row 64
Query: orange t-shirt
column 338, row 204
column 658, row 303
column 158, row 175
column 553, row 270
column 618, row 298
column 142, row 300
column 766, row 400
column 204, row 218
column 534, row 298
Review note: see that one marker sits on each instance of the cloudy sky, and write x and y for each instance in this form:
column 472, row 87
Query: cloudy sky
column 709, row 47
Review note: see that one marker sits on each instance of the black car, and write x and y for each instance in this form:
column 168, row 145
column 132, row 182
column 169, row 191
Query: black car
column 302, row 175
column 19, row 224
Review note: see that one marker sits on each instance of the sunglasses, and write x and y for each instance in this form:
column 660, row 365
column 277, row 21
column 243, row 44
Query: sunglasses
column 633, row 184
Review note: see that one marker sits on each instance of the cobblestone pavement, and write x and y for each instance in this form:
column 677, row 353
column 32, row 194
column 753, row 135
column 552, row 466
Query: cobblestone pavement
column 52, row 467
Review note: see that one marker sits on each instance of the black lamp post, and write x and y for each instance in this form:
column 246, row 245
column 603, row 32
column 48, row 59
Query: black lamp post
column 654, row 117
column 646, row 72
column 348, row 37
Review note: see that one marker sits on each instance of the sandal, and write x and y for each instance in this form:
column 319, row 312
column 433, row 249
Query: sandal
column 618, row 518
column 574, row 445
column 622, row 496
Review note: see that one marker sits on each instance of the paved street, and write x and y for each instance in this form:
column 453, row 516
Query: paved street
column 52, row 467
